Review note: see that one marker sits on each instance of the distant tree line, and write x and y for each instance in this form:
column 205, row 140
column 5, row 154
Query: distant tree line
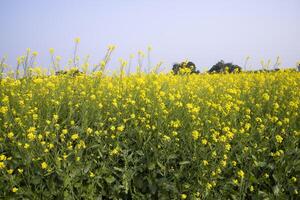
column 190, row 67
column 219, row 67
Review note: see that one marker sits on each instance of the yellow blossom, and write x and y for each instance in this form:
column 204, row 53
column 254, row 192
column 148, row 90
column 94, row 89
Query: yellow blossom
column 10, row 135
column 251, row 188
column 235, row 181
column 2, row 157
column 75, row 136
column 183, row 196
column 77, row 40
column 89, row 131
column 31, row 136
column 92, row 174
column 241, row 174
column 294, row 179
column 208, row 186
column 195, row 135
column 233, row 163
column 44, row 165
column 2, row 165
column 121, row 128
column 279, row 139
column 204, row 141
column 26, row 146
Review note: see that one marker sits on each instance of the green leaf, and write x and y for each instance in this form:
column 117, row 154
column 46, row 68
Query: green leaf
column 110, row 179
column 161, row 165
column 151, row 166
column 172, row 156
column 184, row 162
column 261, row 164
column 118, row 169
column 276, row 190
column 86, row 169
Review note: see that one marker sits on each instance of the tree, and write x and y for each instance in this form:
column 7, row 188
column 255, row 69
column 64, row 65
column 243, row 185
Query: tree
column 185, row 65
column 71, row 72
column 221, row 67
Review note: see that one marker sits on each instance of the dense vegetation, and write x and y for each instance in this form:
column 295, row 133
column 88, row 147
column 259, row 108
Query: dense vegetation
column 150, row 136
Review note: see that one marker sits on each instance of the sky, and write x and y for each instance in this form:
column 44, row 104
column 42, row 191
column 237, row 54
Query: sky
column 203, row 32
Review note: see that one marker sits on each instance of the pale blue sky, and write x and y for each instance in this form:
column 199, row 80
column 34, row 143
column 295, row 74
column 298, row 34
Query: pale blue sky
column 201, row 31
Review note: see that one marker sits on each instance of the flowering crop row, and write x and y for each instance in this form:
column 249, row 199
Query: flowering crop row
column 150, row 136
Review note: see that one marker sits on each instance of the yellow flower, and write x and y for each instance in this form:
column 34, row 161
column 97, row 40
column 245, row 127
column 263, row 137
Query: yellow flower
column 233, row 163
column 166, row 138
column 55, row 117
column 294, row 179
column 102, row 63
column 112, row 128
column 14, row 190
column 241, row 174
column 121, row 128
column 77, row 40
column 132, row 116
column 93, row 97
column 10, row 135
column 174, row 133
column 208, row 186
column 44, row 165
column 115, row 151
column 40, row 137
column 205, row 162
column 111, row 47
column 10, row 171
column 235, row 181
column 279, row 139
column 266, row 97
column 92, row 174
column 31, row 136
column 51, row 50
column 214, row 154
column 195, row 135
column 75, row 136
column 276, row 106
column 266, row 175
column 31, row 130
column 20, row 171
column 2, row 157
column 183, row 196
column 251, row 188
column 89, row 131
column 204, row 141
column 2, row 165
column 223, row 163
